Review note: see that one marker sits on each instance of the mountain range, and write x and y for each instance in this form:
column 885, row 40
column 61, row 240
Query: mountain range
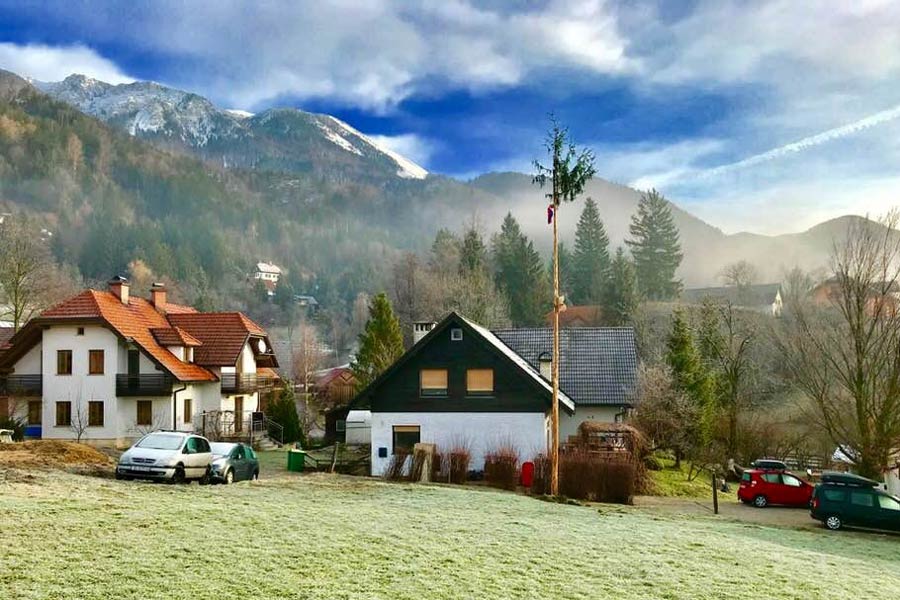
column 307, row 189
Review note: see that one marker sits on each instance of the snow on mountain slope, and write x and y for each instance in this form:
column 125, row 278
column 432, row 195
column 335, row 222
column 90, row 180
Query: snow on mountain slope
column 408, row 169
column 155, row 111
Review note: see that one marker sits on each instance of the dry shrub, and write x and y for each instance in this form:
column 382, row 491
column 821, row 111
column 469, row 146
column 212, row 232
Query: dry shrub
column 541, row 482
column 590, row 476
column 438, row 472
column 395, row 468
column 501, row 467
column 460, row 459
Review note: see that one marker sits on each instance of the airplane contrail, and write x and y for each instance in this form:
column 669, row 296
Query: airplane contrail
column 807, row 142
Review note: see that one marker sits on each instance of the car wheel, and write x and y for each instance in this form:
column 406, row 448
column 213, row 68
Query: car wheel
column 760, row 501
column 833, row 522
column 255, row 475
column 229, row 477
column 206, row 477
column 178, row 476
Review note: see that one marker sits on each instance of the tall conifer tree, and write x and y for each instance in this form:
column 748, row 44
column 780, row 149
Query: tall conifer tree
column 380, row 344
column 621, row 297
column 655, row 247
column 590, row 261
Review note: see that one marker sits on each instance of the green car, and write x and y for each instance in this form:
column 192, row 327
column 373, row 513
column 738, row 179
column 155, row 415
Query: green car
column 845, row 499
column 233, row 462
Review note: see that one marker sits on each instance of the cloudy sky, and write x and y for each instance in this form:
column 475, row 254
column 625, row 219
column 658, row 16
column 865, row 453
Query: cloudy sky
column 767, row 116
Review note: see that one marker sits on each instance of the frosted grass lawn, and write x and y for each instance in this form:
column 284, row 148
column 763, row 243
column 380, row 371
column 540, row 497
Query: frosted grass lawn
column 323, row 536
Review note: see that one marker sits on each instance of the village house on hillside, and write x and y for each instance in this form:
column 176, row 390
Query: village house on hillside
column 269, row 274
column 463, row 384
column 107, row 366
column 764, row 298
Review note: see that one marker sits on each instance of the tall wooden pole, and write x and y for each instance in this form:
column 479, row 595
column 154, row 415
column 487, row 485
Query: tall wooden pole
column 554, row 367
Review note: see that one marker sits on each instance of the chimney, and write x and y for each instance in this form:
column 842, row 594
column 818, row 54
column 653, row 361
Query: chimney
column 546, row 363
column 118, row 285
column 421, row 329
column 158, row 297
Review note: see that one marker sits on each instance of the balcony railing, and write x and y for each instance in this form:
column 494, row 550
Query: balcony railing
column 21, row 385
column 247, row 383
column 150, row 384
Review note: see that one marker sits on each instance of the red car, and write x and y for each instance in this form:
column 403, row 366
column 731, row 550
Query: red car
column 763, row 487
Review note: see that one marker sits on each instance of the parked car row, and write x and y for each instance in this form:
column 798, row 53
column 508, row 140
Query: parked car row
column 839, row 499
column 179, row 457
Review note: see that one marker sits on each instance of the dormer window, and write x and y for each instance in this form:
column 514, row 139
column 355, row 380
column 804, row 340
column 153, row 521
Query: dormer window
column 188, row 354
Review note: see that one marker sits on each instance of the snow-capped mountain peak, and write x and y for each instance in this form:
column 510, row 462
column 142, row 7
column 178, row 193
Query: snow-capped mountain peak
column 280, row 139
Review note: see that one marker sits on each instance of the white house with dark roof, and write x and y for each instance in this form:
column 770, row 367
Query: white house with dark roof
column 461, row 382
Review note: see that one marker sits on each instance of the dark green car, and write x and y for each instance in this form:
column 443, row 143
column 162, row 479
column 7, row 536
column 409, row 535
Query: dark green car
column 233, row 462
column 844, row 499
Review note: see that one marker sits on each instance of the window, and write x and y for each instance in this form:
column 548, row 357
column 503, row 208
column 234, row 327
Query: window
column 239, row 452
column 456, row 335
column 188, row 412
column 888, row 503
column 63, row 414
column 746, row 476
column 63, row 362
column 80, row 331
column 95, row 413
column 771, row 477
column 144, row 412
column 405, row 438
column 479, row 381
column 434, row 382
column 34, row 412
column 790, row 480
column 836, row 495
column 95, row 362
column 192, row 446
column 250, row 453
column 862, row 499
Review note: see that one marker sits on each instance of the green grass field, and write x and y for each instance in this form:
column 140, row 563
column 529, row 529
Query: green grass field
column 323, row 536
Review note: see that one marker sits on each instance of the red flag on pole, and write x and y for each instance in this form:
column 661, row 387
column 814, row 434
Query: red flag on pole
column 549, row 214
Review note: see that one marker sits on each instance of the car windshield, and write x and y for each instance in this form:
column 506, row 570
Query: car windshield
column 221, row 448
column 161, row 441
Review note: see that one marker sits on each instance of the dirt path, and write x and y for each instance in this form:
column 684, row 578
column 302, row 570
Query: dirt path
column 730, row 508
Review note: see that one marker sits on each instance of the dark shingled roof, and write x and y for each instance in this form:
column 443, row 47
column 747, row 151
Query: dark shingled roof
column 598, row 365
column 757, row 295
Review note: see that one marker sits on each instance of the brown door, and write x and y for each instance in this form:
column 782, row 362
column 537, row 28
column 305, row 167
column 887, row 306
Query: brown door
column 238, row 414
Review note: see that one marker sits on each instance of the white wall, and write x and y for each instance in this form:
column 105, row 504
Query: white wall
column 568, row 424
column 483, row 431
column 79, row 387
column 30, row 363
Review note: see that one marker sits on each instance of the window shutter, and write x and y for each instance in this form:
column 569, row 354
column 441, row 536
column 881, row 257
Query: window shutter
column 480, row 380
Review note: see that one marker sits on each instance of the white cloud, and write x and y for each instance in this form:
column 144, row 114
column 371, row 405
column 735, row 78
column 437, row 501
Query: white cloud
column 410, row 145
column 53, row 63
column 368, row 54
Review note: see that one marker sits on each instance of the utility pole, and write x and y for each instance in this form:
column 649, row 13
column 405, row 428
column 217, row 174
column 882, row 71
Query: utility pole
column 554, row 367
column 570, row 171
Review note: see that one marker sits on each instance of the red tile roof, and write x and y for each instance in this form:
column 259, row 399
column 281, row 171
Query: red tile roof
column 222, row 335
column 174, row 336
column 134, row 321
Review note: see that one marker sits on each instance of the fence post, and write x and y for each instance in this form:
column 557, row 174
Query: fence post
column 715, row 494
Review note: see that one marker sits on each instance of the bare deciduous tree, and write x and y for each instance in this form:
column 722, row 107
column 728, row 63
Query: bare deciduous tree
column 665, row 414
column 846, row 357
column 30, row 280
column 740, row 274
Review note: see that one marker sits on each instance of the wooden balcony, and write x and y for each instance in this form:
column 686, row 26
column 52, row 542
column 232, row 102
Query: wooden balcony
column 21, row 385
column 149, row 384
column 246, row 383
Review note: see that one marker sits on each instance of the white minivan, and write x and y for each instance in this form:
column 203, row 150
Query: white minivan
column 173, row 456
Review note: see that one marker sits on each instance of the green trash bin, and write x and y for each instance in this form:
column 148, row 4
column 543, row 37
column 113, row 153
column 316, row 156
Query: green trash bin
column 296, row 459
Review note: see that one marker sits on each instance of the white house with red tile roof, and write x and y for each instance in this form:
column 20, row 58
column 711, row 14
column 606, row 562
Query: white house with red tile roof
column 110, row 366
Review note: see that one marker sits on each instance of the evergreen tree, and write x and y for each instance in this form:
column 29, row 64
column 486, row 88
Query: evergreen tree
column 445, row 253
column 655, row 247
column 688, row 370
column 283, row 410
column 520, row 275
column 621, row 298
column 590, row 261
column 473, row 252
column 380, row 343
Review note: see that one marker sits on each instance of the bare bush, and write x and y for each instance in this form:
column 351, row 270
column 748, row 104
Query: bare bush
column 501, row 467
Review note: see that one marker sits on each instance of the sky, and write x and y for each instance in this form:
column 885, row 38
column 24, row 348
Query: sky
column 763, row 115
